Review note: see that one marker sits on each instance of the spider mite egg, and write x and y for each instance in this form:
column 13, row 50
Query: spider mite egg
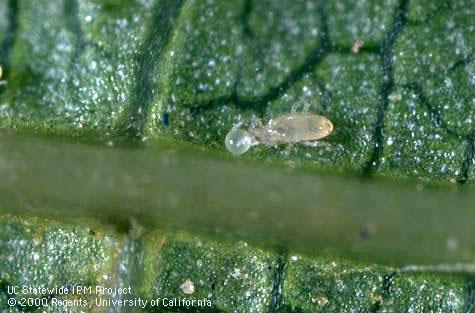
column 238, row 141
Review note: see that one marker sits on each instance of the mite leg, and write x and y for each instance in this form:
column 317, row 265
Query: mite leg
column 295, row 108
column 312, row 144
column 315, row 144
column 238, row 125
column 256, row 122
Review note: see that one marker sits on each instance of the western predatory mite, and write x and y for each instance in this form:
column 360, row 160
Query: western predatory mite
column 287, row 128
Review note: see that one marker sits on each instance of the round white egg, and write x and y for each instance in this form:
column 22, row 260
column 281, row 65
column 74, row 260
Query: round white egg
column 238, row 141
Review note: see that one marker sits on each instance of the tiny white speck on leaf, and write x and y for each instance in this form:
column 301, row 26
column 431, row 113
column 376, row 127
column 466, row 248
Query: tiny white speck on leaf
column 187, row 287
column 357, row 46
column 394, row 97
column 2, row 82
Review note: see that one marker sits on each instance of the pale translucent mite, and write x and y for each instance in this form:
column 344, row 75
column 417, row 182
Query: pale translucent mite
column 285, row 129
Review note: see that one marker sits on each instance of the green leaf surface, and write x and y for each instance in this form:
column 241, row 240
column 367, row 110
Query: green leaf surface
column 233, row 277
column 129, row 102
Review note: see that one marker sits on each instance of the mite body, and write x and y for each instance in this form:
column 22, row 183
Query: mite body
column 292, row 128
column 285, row 129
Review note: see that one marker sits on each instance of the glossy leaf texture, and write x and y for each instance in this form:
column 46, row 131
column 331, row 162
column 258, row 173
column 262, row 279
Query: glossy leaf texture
column 402, row 103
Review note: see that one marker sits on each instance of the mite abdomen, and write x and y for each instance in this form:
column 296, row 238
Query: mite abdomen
column 295, row 127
